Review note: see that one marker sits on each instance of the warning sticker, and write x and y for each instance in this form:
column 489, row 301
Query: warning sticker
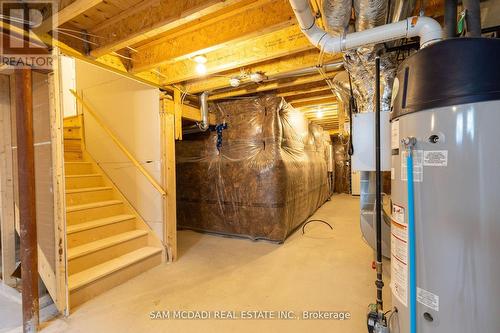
column 418, row 165
column 428, row 299
column 436, row 158
column 399, row 254
column 395, row 134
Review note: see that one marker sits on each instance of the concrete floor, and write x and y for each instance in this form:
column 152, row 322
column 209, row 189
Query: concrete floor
column 322, row 270
column 10, row 309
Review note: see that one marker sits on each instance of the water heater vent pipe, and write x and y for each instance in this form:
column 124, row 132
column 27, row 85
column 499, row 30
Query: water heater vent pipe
column 428, row 29
column 204, row 124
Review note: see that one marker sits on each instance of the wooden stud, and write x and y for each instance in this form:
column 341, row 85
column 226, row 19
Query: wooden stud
column 178, row 114
column 27, row 198
column 57, row 140
column 7, row 214
column 167, row 119
column 268, row 17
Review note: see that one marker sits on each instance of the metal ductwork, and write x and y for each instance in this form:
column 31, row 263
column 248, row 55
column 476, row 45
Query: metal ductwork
column 336, row 15
column 203, row 125
column 341, row 86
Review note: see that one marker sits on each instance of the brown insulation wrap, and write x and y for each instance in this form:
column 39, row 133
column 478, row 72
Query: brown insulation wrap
column 269, row 177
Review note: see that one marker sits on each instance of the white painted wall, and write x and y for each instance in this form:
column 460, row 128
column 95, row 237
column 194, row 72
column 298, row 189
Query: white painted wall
column 131, row 110
column 68, row 81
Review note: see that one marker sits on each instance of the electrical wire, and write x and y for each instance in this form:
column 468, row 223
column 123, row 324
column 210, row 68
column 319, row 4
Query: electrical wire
column 76, row 37
column 314, row 220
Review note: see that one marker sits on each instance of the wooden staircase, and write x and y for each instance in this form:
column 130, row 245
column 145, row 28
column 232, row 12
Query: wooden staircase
column 108, row 242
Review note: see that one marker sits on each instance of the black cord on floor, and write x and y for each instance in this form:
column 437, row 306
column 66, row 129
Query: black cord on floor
column 315, row 220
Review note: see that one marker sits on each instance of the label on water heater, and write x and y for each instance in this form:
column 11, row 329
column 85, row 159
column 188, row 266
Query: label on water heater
column 428, row 299
column 395, row 134
column 399, row 254
column 436, row 158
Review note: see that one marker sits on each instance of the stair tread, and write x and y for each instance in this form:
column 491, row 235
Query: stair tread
column 98, row 223
column 77, row 162
column 96, row 204
column 84, row 175
column 95, row 273
column 103, row 243
column 88, row 189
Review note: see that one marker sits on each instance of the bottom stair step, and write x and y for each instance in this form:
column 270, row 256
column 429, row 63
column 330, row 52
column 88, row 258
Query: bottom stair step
column 87, row 284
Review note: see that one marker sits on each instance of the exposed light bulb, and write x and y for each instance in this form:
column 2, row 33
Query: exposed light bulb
column 257, row 77
column 201, row 69
column 319, row 114
column 234, row 82
column 200, row 59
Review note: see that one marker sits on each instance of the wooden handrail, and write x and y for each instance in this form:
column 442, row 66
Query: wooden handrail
column 138, row 165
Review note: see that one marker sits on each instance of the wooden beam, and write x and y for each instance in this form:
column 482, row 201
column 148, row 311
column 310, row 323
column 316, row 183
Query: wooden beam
column 319, row 95
column 287, row 41
column 269, row 16
column 269, row 86
column 194, row 114
column 150, row 18
column 167, row 137
column 178, row 114
column 300, row 90
column 27, row 198
column 66, row 14
column 281, row 65
column 318, row 102
column 7, row 229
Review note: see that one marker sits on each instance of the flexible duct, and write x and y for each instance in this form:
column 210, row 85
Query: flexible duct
column 341, row 86
column 369, row 13
column 336, row 15
column 204, row 111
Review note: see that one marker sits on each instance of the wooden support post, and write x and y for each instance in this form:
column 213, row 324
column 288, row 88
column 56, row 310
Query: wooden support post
column 27, row 199
column 57, row 139
column 178, row 114
column 7, row 215
column 167, row 137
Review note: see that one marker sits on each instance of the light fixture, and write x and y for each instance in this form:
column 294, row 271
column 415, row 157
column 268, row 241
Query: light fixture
column 319, row 114
column 234, row 82
column 257, row 77
column 200, row 59
column 201, row 69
